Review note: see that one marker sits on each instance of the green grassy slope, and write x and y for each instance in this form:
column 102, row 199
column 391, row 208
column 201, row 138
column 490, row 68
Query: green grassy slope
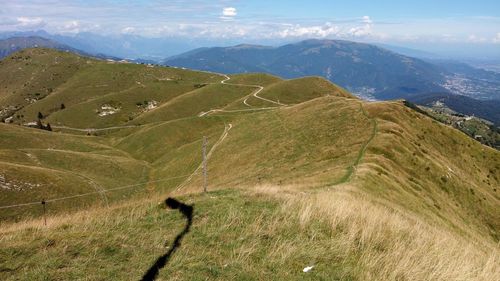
column 260, row 79
column 289, row 145
column 84, row 85
column 37, row 165
column 192, row 103
column 31, row 75
column 434, row 169
column 299, row 90
column 281, row 92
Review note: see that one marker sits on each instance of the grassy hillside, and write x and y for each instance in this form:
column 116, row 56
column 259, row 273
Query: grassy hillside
column 37, row 165
column 296, row 91
column 303, row 89
column 86, row 84
column 251, row 234
column 31, row 75
column 476, row 128
column 433, row 169
column 255, row 79
column 14, row 44
column 360, row 191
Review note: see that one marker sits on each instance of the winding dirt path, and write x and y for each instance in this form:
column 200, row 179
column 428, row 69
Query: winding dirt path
column 95, row 129
column 254, row 94
column 351, row 170
column 223, row 136
column 97, row 187
column 245, row 101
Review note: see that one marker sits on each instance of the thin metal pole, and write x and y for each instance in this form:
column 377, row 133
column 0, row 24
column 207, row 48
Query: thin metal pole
column 44, row 212
column 204, row 164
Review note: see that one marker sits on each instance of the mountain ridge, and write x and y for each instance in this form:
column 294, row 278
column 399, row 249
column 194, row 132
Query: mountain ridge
column 335, row 60
column 13, row 44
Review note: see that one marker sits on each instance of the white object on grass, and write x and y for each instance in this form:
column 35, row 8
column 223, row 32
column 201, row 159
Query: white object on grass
column 308, row 268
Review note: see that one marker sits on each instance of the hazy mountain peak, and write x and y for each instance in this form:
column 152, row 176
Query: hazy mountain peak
column 363, row 68
column 248, row 46
column 14, row 44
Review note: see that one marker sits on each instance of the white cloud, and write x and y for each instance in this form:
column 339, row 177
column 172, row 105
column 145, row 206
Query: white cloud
column 475, row 39
column 27, row 23
column 367, row 20
column 497, row 38
column 228, row 13
column 449, row 38
column 128, row 30
column 362, row 31
column 22, row 23
column 71, row 26
column 321, row 31
column 263, row 30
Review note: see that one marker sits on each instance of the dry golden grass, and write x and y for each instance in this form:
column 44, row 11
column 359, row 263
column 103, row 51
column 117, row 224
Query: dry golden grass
column 343, row 232
column 388, row 244
column 432, row 170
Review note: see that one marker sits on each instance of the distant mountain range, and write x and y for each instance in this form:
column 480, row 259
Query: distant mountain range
column 367, row 70
column 364, row 69
column 410, row 52
column 127, row 46
column 14, row 44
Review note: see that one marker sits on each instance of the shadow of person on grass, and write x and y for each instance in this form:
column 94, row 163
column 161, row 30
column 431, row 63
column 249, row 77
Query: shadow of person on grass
column 187, row 211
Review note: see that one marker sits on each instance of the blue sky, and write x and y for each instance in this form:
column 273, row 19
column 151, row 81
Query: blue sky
column 425, row 23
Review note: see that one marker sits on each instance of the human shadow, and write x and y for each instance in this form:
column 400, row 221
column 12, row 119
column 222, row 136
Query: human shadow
column 187, row 211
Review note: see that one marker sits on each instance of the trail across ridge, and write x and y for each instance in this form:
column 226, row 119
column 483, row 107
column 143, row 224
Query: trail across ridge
column 228, row 127
column 255, row 94
column 352, row 169
column 245, row 101
column 259, row 88
column 224, row 134
column 95, row 129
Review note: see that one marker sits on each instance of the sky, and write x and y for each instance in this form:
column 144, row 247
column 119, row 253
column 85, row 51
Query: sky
column 426, row 24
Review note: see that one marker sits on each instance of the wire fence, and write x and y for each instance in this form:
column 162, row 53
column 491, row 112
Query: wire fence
column 90, row 193
column 102, row 191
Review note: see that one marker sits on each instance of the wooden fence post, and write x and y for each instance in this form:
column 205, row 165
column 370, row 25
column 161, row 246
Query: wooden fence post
column 44, row 212
column 205, row 181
